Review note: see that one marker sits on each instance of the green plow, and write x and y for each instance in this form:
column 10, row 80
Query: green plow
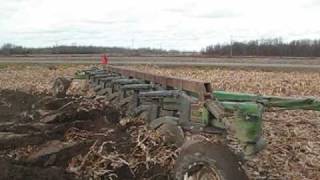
column 175, row 106
column 285, row 103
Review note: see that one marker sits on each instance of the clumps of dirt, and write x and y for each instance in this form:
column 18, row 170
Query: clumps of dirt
column 16, row 105
column 79, row 138
column 12, row 170
column 80, row 87
column 39, row 143
column 131, row 153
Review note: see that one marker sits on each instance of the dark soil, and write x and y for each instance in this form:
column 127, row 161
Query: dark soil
column 10, row 170
column 78, row 121
column 17, row 105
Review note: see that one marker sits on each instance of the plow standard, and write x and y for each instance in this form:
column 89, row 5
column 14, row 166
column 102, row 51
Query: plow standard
column 186, row 111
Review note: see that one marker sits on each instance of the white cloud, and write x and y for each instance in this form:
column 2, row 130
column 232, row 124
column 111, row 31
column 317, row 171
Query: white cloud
column 188, row 24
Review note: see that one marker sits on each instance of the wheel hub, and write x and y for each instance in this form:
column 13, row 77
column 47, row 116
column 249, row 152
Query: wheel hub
column 202, row 172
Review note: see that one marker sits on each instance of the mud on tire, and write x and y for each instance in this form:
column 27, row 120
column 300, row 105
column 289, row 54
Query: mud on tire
column 60, row 87
column 205, row 160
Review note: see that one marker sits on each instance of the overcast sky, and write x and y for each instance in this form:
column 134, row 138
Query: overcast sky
column 168, row 24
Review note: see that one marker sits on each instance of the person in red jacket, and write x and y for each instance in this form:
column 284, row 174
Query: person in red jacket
column 104, row 59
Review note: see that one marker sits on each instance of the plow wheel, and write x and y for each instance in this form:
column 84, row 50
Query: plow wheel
column 60, row 87
column 168, row 128
column 203, row 160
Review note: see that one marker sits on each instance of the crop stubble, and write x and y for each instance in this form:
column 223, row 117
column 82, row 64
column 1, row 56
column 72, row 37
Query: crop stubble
column 293, row 150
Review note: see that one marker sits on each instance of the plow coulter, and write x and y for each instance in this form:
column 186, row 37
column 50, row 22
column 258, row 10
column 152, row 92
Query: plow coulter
column 186, row 112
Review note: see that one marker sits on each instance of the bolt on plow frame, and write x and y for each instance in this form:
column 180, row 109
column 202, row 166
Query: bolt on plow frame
column 185, row 112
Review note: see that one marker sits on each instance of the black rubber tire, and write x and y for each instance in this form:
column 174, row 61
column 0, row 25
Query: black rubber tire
column 169, row 129
column 172, row 134
column 216, row 156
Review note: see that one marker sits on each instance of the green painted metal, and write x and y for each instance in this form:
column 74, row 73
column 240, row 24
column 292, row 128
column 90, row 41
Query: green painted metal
column 247, row 120
column 270, row 101
column 305, row 104
column 205, row 116
column 247, row 110
column 235, row 97
column 80, row 75
column 244, row 120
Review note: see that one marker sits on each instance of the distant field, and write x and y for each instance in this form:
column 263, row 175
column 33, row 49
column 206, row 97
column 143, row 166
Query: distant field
column 265, row 63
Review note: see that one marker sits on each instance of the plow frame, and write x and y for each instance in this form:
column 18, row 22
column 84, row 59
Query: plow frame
column 193, row 103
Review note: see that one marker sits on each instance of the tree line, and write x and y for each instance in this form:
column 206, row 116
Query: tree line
column 266, row 47
column 11, row 49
